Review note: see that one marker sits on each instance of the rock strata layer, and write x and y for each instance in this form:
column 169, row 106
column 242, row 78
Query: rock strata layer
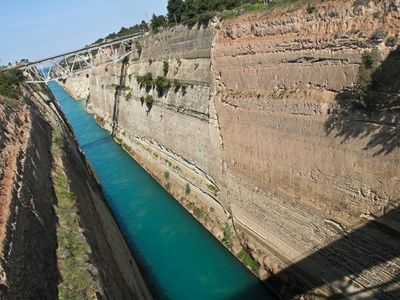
column 259, row 146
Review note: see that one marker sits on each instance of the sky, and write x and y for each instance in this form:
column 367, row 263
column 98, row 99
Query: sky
column 36, row 29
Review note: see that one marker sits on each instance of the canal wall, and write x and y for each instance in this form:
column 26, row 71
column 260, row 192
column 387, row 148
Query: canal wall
column 261, row 146
column 32, row 254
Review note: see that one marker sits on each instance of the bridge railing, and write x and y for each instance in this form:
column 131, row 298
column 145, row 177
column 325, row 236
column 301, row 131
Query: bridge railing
column 78, row 61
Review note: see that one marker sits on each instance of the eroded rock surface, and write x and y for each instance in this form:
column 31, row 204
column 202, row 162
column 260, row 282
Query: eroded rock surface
column 260, row 145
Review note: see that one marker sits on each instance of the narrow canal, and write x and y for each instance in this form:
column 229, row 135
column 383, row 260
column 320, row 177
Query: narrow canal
column 181, row 259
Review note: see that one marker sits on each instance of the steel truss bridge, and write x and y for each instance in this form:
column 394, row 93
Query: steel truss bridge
column 74, row 62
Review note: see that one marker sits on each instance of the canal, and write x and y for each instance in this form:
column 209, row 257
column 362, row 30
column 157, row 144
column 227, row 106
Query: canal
column 181, row 259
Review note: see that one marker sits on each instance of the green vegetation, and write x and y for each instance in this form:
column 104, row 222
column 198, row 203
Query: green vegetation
column 187, row 188
column 139, row 48
column 72, row 255
column 379, row 34
column 198, row 212
column 280, row 3
column 370, row 61
column 149, row 101
column 166, row 175
column 360, row 96
column 142, row 27
column 165, row 67
column 128, row 96
column 227, row 240
column 248, row 261
column 126, row 147
column 391, row 41
column 121, row 88
column 145, row 81
column 10, row 83
column 190, row 12
column 180, row 86
column 158, row 22
column 213, row 188
column 161, row 83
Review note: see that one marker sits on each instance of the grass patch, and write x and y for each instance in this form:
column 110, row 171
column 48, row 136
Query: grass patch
column 253, row 7
column 248, row 261
column 198, row 212
column 71, row 252
column 213, row 188
column 227, row 239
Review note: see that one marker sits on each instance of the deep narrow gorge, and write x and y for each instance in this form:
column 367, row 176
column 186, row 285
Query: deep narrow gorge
column 51, row 246
column 243, row 122
column 254, row 157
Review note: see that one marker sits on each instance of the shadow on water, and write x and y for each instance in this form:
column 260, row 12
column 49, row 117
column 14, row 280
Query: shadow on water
column 117, row 95
column 377, row 243
column 380, row 123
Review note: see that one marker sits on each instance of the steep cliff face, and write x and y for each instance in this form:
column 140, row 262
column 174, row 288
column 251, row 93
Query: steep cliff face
column 161, row 136
column 28, row 223
column 259, row 146
column 38, row 246
column 296, row 178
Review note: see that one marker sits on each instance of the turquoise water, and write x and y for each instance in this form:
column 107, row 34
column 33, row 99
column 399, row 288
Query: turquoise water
column 181, row 259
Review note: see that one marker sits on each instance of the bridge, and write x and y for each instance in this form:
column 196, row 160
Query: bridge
column 78, row 61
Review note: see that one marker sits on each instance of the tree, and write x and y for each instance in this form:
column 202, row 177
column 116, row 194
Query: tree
column 157, row 22
column 175, row 9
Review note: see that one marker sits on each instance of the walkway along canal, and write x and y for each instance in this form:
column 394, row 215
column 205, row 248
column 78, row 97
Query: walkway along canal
column 181, row 259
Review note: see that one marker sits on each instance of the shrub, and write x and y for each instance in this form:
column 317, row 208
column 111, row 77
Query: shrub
column 377, row 14
column 187, row 188
column 10, row 82
column 379, row 34
column 149, row 101
column 165, row 67
column 370, row 61
column 128, row 96
column 227, row 239
column 150, row 61
column 246, row 258
column 145, row 81
column 142, row 99
column 166, row 175
column 163, row 85
column 139, row 48
column 184, row 89
column 391, row 41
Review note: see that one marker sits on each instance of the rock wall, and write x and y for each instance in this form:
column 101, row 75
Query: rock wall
column 28, row 224
column 161, row 136
column 296, row 178
column 29, row 265
column 261, row 144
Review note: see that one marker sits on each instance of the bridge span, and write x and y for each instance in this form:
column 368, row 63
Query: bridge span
column 74, row 62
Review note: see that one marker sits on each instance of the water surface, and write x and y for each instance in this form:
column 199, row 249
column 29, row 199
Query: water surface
column 181, row 259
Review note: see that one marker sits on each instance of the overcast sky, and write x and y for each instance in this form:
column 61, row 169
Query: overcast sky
column 35, row 29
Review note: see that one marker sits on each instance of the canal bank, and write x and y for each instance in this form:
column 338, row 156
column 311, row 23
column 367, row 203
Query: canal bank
column 181, row 259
